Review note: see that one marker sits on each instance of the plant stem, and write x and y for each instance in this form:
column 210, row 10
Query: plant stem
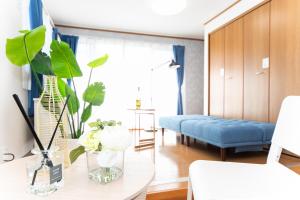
column 84, row 104
column 73, row 124
column 70, row 126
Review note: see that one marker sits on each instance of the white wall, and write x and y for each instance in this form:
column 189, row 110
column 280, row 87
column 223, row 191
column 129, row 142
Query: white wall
column 232, row 13
column 13, row 130
column 194, row 52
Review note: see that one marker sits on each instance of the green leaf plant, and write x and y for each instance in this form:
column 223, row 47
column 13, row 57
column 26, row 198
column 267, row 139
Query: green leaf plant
column 26, row 48
column 64, row 62
column 95, row 93
column 92, row 96
column 22, row 50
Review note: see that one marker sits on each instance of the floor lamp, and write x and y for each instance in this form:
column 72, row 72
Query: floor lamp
column 171, row 64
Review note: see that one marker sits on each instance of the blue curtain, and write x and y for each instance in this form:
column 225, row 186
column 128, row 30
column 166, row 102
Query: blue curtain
column 72, row 40
column 179, row 59
column 36, row 19
column 55, row 33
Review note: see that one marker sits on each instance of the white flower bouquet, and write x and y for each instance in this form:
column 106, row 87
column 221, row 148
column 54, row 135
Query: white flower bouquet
column 104, row 146
column 106, row 137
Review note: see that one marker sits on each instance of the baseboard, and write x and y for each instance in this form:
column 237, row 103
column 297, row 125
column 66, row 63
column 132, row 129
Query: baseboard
column 168, row 190
column 179, row 194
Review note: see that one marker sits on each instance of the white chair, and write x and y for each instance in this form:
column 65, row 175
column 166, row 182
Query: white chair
column 213, row 180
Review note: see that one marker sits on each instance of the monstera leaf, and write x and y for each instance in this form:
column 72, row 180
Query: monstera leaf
column 94, row 94
column 42, row 64
column 63, row 60
column 98, row 62
column 24, row 31
column 75, row 153
column 86, row 114
column 61, row 87
column 65, row 90
column 22, row 49
column 73, row 104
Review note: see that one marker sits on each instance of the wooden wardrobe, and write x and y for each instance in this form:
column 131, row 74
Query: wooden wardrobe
column 256, row 77
column 216, row 79
column 233, row 83
column 284, row 52
column 254, row 62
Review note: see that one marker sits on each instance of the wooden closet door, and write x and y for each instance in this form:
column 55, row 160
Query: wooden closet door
column 216, row 70
column 233, row 96
column 284, row 53
column 256, row 78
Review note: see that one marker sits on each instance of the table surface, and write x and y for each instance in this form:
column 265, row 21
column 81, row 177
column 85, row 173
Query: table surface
column 142, row 109
column 138, row 173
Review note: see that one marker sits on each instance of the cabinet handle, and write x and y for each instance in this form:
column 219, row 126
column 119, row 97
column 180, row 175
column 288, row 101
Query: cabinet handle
column 259, row 73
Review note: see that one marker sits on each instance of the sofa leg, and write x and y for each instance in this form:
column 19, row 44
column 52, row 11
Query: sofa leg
column 188, row 140
column 182, row 139
column 163, row 132
column 223, row 154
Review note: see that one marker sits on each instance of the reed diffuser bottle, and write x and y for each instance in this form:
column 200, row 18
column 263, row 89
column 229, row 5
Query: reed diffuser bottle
column 45, row 175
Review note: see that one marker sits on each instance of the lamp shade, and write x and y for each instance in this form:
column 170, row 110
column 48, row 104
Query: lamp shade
column 173, row 65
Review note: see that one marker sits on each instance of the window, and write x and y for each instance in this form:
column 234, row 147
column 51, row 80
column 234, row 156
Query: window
column 129, row 67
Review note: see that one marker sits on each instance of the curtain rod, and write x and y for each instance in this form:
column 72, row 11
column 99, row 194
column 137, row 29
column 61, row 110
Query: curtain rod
column 125, row 32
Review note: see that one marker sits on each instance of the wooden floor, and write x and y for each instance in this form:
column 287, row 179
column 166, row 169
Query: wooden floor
column 172, row 160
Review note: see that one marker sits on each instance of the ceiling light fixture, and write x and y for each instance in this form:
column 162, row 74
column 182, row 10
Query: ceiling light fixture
column 168, row 7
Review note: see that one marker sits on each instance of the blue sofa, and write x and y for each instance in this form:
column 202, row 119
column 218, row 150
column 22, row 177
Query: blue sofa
column 174, row 122
column 223, row 133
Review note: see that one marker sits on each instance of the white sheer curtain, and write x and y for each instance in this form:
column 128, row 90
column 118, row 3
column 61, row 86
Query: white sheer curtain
column 129, row 67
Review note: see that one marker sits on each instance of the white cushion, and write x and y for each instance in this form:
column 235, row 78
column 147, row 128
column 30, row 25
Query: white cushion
column 213, row 180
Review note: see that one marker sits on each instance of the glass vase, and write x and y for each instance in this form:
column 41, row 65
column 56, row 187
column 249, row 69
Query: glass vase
column 45, row 173
column 105, row 166
column 48, row 108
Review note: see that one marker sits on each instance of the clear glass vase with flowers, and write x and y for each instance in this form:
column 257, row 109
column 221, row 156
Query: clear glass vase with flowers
column 104, row 147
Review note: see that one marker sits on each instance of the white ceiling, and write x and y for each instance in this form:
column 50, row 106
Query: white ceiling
column 135, row 16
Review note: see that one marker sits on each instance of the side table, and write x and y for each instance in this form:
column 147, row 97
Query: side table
column 138, row 141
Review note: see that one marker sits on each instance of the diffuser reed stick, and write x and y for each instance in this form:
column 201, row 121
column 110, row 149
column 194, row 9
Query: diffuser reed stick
column 18, row 102
column 58, row 122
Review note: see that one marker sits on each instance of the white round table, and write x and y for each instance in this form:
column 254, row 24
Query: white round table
column 138, row 173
